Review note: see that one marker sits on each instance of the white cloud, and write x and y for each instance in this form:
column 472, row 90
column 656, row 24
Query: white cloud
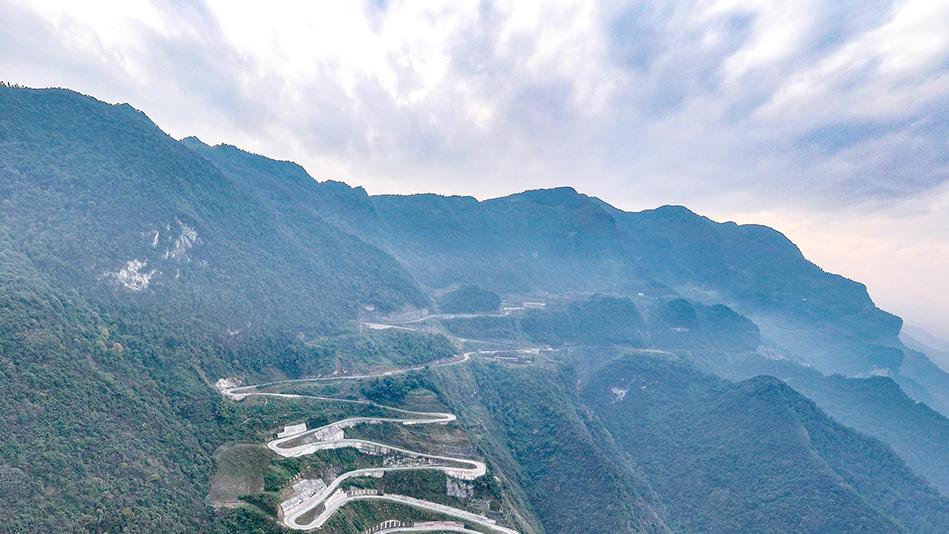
column 889, row 72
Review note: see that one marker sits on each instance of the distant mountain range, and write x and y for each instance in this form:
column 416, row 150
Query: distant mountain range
column 707, row 377
column 935, row 348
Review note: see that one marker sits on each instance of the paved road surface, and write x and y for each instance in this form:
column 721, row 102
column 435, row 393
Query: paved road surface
column 331, row 436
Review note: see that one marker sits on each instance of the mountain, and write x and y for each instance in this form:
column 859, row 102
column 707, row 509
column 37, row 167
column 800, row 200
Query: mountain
column 575, row 479
column 934, row 348
column 133, row 269
column 140, row 218
column 827, row 320
column 754, row 455
column 138, row 270
column 876, row 406
column 558, row 241
column 677, row 449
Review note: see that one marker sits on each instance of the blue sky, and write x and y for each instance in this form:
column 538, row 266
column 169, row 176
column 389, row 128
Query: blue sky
column 826, row 119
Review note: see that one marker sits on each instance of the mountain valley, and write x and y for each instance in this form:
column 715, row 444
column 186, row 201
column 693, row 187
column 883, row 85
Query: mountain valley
column 196, row 338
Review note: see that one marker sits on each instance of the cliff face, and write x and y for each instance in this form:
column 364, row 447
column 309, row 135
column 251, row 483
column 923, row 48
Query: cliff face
column 137, row 269
column 561, row 241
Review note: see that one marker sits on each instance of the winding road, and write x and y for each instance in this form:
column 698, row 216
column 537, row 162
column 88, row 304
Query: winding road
column 331, row 436
column 427, row 529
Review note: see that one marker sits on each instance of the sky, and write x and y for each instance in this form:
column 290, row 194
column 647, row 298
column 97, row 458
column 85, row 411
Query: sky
column 826, row 119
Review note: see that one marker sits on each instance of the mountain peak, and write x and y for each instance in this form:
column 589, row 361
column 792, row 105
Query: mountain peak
column 555, row 196
column 192, row 141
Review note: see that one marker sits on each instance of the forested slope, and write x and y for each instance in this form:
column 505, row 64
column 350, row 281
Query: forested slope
column 754, row 456
column 135, row 270
column 103, row 200
column 558, row 240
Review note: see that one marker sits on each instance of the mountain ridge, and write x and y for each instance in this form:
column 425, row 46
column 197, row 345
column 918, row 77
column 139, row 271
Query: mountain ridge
column 630, row 249
column 140, row 269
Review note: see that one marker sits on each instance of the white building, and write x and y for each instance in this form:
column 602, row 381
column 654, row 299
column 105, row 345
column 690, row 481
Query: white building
column 292, row 430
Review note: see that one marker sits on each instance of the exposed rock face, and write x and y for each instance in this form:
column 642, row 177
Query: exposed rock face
column 183, row 243
column 133, row 276
column 458, row 488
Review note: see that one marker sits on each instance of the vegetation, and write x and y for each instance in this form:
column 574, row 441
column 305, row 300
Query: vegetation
column 560, row 241
column 597, row 319
column 603, row 320
column 361, row 352
column 680, row 324
column 875, row 406
column 110, row 419
column 754, row 456
column 136, row 270
column 469, row 299
column 556, row 447
column 393, row 390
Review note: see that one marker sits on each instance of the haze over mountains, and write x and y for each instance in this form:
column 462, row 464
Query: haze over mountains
column 702, row 377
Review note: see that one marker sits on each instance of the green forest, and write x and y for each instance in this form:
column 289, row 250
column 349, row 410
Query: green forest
column 685, row 375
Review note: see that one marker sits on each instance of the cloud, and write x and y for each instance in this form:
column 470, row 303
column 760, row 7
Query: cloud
column 810, row 108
